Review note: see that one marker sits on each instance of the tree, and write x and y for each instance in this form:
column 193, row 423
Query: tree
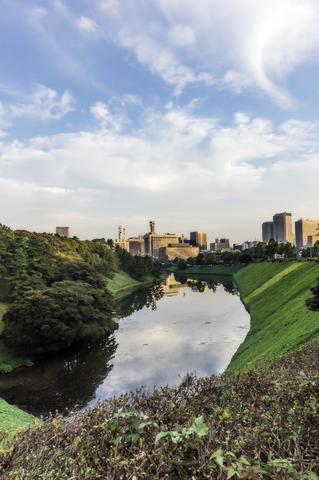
column 191, row 261
column 200, row 259
column 313, row 302
column 44, row 322
column 210, row 259
column 78, row 271
column 157, row 269
column 182, row 264
column 271, row 248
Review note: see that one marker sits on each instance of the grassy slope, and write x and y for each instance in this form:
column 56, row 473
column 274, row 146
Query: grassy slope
column 121, row 281
column 12, row 418
column 212, row 270
column 280, row 320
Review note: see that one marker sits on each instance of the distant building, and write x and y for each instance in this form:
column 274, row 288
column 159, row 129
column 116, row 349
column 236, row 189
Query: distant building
column 306, row 232
column 237, row 248
column 180, row 250
column 136, row 245
column 63, row 231
column 154, row 241
column 267, row 231
column 282, row 224
column 121, row 242
column 199, row 239
column 220, row 245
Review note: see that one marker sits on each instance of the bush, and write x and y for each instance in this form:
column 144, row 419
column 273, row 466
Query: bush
column 47, row 321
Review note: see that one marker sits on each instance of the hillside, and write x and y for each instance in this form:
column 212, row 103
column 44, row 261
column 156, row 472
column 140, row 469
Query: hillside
column 275, row 294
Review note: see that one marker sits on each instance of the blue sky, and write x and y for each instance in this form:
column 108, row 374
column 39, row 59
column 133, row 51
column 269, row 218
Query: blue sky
column 198, row 115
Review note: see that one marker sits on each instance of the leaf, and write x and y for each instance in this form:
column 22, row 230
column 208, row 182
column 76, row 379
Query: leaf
column 161, row 435
column 230, row 472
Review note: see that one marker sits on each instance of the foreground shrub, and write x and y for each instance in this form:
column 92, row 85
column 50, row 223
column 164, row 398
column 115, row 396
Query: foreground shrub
column 262, row 423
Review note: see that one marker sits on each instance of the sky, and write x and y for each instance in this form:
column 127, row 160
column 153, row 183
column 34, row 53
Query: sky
column 200, row 116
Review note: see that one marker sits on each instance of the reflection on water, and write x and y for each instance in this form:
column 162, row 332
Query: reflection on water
column 68, row 381
column 166, row 331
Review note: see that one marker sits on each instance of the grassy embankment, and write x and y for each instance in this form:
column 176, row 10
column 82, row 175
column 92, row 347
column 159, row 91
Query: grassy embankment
column 121, row 283
column 212, row 270
column 274, row 293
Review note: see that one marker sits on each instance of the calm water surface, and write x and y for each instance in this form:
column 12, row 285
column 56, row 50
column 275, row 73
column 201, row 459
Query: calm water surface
column 164, row 333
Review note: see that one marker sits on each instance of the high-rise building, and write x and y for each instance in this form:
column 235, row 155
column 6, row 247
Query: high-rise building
column 220, row 245
column 267, row 231
column 282, row 223
column 306, row 232
column 63, row 231
column 199, row 239
column 154, row 241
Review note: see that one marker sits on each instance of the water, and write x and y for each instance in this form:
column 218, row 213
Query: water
column 164, row 333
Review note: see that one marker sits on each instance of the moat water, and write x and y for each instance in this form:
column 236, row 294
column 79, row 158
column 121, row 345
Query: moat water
column 164, row 333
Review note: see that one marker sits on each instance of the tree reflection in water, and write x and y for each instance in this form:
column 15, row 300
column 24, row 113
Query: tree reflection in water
column 65, row 382
column 71, row 380
column 138, row 299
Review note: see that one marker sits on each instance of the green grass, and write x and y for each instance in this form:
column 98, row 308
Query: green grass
column 12, row 418
column 122, row 282
column 270, row 282
column 280, row 320
column 209, row 270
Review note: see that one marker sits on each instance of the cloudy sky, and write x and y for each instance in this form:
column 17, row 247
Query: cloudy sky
column 197, row 115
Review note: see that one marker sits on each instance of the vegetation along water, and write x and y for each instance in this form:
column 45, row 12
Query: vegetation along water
column 259, row 419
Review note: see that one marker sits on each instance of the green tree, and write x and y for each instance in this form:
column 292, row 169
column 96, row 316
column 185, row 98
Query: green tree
column 271, row 248
column 79, row 271
column 210, row 259
column 157, row 269
column 47, row 321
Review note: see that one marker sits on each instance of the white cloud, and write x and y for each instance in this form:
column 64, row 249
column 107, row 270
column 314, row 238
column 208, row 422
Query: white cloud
column 182, row 36
column 110, row 7
column 171, row 164
column 43, row 104
column 163, row 62
column 86, row 24
column 238, row 45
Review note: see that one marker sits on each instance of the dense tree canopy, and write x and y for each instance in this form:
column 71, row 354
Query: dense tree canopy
column 50, row 320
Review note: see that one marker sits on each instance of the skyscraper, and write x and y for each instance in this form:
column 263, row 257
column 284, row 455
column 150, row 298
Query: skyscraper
column 306, row 232
column 283, row 227
column 199, row 239
column 267, row 231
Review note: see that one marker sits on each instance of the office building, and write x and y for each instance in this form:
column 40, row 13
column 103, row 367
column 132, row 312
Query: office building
column 63, row 231
column 306, row 231
column 282, row 225
column 136, row 245
column 220, row 245
column 199, row 239
column 154, row 241
column 180, row 250
column 267, row 231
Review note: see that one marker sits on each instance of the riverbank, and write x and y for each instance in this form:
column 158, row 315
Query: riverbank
column 228, row 270
column 274, row 293
column 121, row 283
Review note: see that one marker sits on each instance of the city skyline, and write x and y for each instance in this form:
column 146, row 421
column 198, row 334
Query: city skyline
column 202, row 115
